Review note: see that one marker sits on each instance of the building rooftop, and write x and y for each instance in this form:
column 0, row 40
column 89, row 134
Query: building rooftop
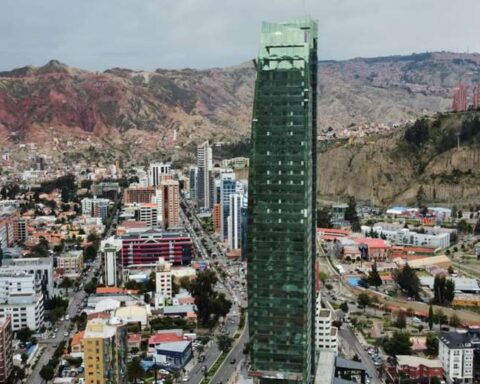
column 414, row 361
column 456, row 340
column 174, row 309
column 178, row 346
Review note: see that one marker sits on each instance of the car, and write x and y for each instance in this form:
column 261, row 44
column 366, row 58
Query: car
column 201, row 358
column 65, row 334
column 204, row 368
column 233, row 361
column 55, row 330
column 185, row 378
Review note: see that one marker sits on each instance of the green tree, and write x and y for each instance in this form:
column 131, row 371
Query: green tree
column 463, row 226
column 24, row 334
column 455, row 321
column 408, row 281
column 135, row 370
column 432, row 344
column 363, row 300
column 440, row 317
column 398, row 344
column 430, row 317
column 374, row 278
column 66, row 284
column 24, row 357
column 324, row 217
column 90, row 253
column 224, row 342
column 210, row 304
column 351, row 214
column 421, row 200
column 443, row 290
column 401, row 321
column 344, row 307
column 47, row 372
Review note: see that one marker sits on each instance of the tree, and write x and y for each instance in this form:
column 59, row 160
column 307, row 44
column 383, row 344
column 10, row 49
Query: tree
column 443, row 290
column 135, row 370
column 421, row 201
column 463, row 226
column 66, row 284
column 210, row 304
column 344, row 307
column 440, row 317
column 324, row 217
column 24, row 357
column 401, row 321
column 90, row 253
column 374, row 278
column 351, row 214
column 363, row 300
column 47, row 372
column 455, row 321
column 24, row 334
column 224, row 342
column 398, row 344
column 451, row 271
column 430, row 317
column 432, row 344
column 408, row 281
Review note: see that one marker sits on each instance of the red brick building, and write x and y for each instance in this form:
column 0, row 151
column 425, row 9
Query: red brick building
column 419, row 368
column 460, row 98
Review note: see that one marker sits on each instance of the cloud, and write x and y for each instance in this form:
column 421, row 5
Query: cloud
column 149, row 34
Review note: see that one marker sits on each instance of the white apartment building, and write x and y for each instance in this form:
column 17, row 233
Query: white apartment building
column 235, row 221
column 41, row 267
column 455, row 351
column 157, row 172
column 325, row 334
column 110, row 248
column 406, row 237
column 21, row 298
column 163, row 278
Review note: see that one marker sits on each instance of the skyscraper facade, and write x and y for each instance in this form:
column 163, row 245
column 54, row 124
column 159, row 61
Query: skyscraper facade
column 204, row 177
column 228, row 186
column 158, row 172
column 281, row 205
column 235, row 221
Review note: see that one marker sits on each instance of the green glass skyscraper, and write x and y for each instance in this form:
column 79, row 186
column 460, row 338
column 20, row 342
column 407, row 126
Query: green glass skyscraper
column 281, row 204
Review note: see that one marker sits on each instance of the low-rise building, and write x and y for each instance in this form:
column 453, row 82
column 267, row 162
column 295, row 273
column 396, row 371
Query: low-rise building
column 163, row 278
column 70, row 263
column 419, row 368
column 325, row 334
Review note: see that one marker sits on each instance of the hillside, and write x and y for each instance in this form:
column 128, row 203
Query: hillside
column 163, row 111
column 392, row 168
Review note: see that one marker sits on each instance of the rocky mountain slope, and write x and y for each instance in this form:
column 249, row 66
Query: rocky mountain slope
column 168, row 109
column 441, row 154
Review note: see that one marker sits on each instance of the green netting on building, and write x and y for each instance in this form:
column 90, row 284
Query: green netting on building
column 281, row 206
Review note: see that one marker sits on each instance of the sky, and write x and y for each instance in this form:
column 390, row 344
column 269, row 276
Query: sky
column 150, row 34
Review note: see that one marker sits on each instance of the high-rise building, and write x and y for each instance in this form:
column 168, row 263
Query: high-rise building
column 138, row 194
column 476, row 97
column 148, row 213
column 6, row 349
column 170, row 207
column 192, row 180
column 204, row 177
column 105, row 351
column 281, row 205
column 460, row 98
column 95, row 207
column 158, row 172
column 217, row 213
column 24, row 303
column 235, row 221
column 227, row 187
column 110, row 249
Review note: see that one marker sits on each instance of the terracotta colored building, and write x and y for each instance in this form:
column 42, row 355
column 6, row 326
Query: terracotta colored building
column 419, row 368
column 217, row 211
column 460, row 98
column 138, row 195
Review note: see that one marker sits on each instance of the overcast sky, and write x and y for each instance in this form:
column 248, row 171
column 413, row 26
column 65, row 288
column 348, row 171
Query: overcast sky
column 149, row 34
